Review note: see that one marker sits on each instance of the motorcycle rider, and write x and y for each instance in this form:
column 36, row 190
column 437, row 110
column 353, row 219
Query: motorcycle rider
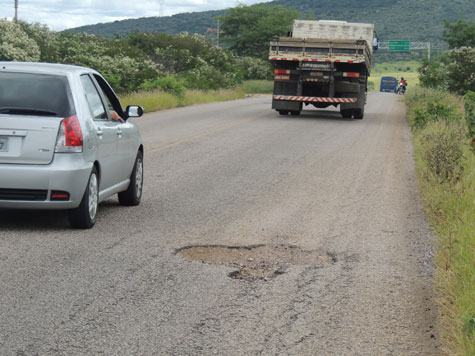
column 402, row 85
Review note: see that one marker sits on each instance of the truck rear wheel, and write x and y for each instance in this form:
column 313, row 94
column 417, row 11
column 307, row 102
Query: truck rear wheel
column 358, row 114
column 283, row 112
column 295, row 113
column 346, row 114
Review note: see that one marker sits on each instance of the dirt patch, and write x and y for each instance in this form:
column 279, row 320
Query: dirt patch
column 257, row 261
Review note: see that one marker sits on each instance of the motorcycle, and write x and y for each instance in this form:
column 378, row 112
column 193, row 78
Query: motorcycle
column 401, row 90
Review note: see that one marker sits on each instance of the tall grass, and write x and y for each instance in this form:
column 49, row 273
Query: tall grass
column 155, row 100
column 258, row 86
column 151, row 100
column 450, row 206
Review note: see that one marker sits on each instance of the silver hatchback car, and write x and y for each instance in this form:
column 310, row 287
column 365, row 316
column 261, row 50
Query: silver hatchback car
column 62, row 145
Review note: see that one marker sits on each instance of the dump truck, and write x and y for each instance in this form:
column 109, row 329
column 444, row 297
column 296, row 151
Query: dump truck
column 323, row 63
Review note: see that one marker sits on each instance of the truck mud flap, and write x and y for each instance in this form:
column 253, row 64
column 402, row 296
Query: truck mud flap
column 284, row 105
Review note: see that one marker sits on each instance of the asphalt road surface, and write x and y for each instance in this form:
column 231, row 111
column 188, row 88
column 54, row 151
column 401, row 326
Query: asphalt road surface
column 257, row 234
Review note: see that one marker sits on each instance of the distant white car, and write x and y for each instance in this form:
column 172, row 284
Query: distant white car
column 59, row 146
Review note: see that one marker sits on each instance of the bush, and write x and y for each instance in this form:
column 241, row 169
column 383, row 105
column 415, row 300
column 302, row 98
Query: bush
column 427, row 106
column 461, row 70
column 167, row 84
column 207, row 77
column 470, row 116
column 434, row 73
column 255, row 68
column 443, row 149
column 15, row 44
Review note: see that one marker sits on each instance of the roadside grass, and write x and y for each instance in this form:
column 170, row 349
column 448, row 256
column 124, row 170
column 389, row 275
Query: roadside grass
column 151, row 100
column 155, row 100
column 406, row 69
column 200, row 97
column 450, row 206
column 258, row 86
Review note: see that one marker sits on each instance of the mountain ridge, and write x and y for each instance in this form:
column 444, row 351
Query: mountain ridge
column 420, row 20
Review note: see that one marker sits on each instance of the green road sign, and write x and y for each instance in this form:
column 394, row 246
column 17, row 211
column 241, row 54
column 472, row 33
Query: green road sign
column 402, row 46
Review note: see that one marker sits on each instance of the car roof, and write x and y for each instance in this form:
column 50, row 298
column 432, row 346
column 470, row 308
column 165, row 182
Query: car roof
column 43, row 68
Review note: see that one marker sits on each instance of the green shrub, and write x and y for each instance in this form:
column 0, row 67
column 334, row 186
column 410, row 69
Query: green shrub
column 432, row 105
column 434, row 112
column 442, row 144
column 470, row 116
column 167, row 84
column 461, row 70
column 15, row 44
column 207, row 77
column 255, row 68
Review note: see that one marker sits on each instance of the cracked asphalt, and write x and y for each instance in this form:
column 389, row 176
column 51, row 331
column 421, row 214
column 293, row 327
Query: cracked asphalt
column 236, row 174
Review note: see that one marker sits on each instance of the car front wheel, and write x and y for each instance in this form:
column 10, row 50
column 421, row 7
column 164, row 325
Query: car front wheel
column 84, row 216
column 133, row 194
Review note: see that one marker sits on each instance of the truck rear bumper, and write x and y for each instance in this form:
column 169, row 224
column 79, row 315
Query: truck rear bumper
column 313, row 99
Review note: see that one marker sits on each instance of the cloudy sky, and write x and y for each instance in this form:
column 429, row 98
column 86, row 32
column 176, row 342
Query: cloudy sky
column 61, row 14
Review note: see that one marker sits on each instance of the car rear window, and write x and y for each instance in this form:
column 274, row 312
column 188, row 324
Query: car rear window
column 35, row 94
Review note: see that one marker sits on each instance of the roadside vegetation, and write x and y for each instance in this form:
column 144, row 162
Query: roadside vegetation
column 442, row 115
column 154, row 100
column 177, row 67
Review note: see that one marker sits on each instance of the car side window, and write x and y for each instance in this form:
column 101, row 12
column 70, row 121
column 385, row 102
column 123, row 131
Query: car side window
column 111, row 99
column 93, row 98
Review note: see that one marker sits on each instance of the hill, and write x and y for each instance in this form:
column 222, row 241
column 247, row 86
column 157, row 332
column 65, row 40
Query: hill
column 415, row 20
column 192, row 22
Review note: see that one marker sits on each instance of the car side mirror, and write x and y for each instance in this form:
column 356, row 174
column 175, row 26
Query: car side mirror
column 375, row 44
column 134, row 111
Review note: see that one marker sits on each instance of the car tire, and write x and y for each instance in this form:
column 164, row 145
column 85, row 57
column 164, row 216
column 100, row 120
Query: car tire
column 283, row 112
column 133, row 194
column 84, row 216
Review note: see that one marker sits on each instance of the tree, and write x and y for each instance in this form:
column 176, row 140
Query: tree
column 460, row 34
column 248, row 29
column 461, row 70
column 15, row 45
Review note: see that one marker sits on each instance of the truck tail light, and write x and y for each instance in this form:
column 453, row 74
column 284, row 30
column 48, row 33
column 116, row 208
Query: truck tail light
column 69, row 136
column 281, row 71
column 351, row 75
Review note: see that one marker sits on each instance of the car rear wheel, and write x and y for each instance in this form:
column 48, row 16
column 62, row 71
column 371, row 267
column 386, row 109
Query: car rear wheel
column 133, row 194
column 84, row 216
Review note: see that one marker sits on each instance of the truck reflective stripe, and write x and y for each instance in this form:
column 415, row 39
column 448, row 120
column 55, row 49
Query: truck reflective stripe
column 315, row 99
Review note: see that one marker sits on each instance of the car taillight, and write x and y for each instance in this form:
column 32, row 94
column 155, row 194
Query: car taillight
column 69, row 136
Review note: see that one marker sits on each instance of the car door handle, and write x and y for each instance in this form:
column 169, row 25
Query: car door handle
column 100, row 132
column 119, row 132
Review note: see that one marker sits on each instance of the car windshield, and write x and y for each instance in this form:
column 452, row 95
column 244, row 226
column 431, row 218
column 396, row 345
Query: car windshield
column 35, row 94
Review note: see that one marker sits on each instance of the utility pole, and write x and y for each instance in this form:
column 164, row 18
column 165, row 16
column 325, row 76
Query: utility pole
column 16, row 10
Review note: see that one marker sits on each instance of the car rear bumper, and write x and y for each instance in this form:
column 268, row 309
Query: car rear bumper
column 30, row 186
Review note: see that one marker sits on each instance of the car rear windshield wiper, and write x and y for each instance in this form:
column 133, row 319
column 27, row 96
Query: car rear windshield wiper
column 26, row 111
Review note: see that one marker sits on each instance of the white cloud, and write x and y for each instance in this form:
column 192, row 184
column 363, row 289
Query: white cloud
column 61, row 14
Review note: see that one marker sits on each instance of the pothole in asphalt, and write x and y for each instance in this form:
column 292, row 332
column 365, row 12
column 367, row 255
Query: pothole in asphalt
column 257, row 261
